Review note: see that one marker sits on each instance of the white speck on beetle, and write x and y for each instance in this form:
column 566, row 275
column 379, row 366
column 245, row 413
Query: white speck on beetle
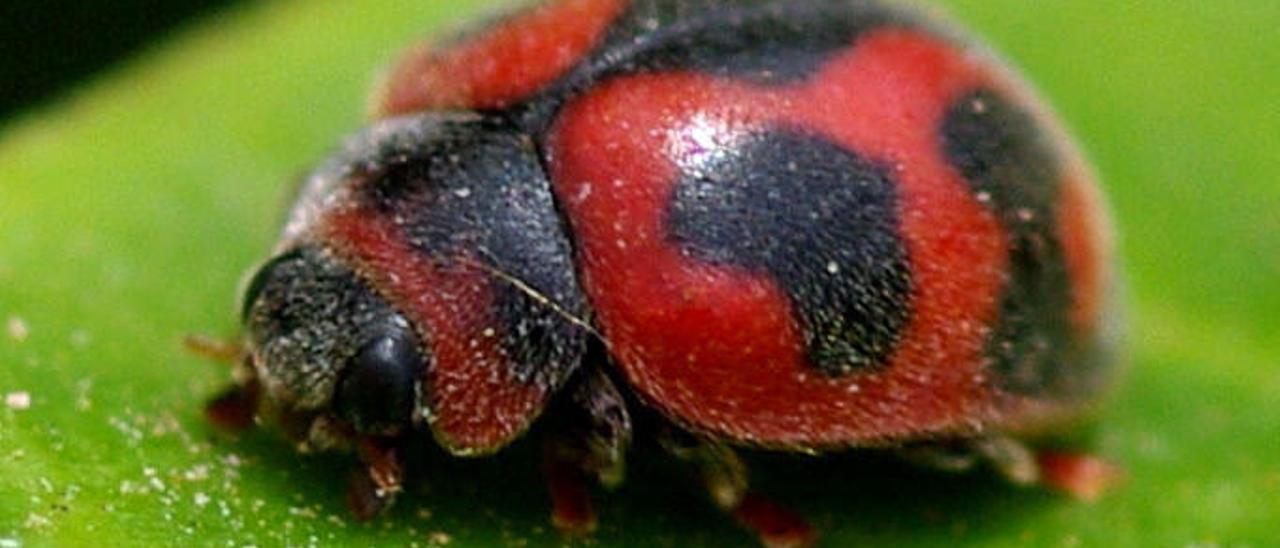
column 833, row 268
column 19, row 401
column 584, row 192
column 17, row 329
column 463, row 192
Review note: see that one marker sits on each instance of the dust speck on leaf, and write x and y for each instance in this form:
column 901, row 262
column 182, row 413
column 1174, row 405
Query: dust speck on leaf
column 305, row 512
column 19, row 401
column 17, row 328
column 199, row 472
column 37, row 521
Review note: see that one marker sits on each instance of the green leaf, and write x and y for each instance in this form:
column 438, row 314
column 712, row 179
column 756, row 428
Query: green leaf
column 129, row 211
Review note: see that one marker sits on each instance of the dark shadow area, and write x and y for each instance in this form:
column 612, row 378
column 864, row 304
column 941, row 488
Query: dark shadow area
column 50, row 45
column 854, row 497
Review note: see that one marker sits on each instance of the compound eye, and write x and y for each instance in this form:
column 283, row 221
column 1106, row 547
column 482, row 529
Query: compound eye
column 375, row 392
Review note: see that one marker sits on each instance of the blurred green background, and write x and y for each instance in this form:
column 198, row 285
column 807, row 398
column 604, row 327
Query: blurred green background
column 130, row 207
column 49, row 45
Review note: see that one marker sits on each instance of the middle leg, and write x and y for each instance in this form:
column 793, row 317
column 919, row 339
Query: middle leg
column 587, row 442
column 725, row 478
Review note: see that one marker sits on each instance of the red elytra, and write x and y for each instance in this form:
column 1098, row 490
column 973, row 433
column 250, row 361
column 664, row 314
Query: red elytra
column 719, row 350
column 477, row 406
column 500, row 65
column 728, row 342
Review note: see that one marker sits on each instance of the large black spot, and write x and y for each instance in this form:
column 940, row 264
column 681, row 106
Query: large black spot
column 1011, row 165
column 764, row 42
column 821, row 221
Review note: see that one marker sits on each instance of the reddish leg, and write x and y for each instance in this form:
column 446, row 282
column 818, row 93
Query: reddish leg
column 776, row 526
column 724, row 476
column 219, row 350
column 1077, row 474
column 1080, row 475
column 1083, row 476
column 235, row 408
column 374, row 486
column 587, row 443
column 571, row 509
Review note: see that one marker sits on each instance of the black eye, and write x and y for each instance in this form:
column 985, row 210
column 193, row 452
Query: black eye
column 375, row 392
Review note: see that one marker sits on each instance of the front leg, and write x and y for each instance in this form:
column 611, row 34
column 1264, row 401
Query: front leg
column 380, row 477
column 375, row 482
column 588, row 440
column 236, row 408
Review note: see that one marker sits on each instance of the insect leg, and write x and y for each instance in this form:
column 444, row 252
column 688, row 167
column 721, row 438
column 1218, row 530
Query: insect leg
column 589, row 440
column 1080, row 475
column 375, row 484
column 725, row 477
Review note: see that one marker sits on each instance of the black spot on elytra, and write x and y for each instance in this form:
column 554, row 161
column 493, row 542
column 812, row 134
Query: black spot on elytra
column 763, row 42
column 819, row 220
column 1012, row 166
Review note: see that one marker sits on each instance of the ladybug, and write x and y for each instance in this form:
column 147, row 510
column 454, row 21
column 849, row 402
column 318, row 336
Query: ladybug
column 791, row 225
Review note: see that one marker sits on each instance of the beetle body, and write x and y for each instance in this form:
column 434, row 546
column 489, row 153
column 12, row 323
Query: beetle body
column 803, row 225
